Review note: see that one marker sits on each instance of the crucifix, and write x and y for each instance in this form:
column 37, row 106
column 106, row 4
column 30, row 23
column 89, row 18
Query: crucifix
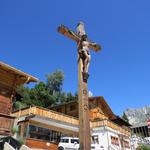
column 83, row 46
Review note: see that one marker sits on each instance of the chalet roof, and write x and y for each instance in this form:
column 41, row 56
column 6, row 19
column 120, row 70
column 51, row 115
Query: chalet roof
column 62, row 104
column 104, row 106
column 99, row 102
column 11, row 73
column 120, row 121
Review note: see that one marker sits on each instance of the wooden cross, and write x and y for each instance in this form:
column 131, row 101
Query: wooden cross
column 84, row 123
column 75, row 37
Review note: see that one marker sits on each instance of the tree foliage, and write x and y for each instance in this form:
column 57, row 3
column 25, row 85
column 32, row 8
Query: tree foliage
column 143, row 147
column 45, row 94
column 125, row 118
column 55, row 82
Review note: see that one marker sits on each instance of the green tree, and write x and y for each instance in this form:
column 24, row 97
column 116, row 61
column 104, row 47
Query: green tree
column 23, row 91
column 40, row 96
column 125, row 118
column 45, row 94
column 144, row 147
column 55, row 81
column 70, row 97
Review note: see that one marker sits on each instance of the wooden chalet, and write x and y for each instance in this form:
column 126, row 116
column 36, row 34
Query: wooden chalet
column 101, row 116
column 10, row 78
column 46, row 126
column 99, row 109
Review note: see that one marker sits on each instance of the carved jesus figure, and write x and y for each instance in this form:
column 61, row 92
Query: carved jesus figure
column 83, row 47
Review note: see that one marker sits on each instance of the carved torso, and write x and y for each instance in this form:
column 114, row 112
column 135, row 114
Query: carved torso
column 85, row 46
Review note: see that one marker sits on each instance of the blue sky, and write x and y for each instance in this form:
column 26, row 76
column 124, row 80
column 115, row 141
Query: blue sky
column 120, row 73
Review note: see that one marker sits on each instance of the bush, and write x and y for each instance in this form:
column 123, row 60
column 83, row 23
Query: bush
column 14, row 130
column 144, row 147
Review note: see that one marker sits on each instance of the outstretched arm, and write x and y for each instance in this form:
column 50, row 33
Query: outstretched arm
column 73, row 33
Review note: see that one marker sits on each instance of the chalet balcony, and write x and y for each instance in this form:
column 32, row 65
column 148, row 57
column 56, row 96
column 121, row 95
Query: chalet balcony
column 66, row 119
column 107, row 123
column 46, row 113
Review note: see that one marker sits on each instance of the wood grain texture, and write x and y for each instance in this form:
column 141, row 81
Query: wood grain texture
column 84, row 122
column 100, row 121
column 39, row 144
column 75, row 37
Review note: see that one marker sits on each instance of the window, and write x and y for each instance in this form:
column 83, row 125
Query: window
column 58, row 109
column 114, row 140
column 64, row 140
column 44, row 134
column 74, row 141
column 72, row 107
column 95, row 139
column 33, row 128
column 126, row 144
column 92, row 106
column 39, row 133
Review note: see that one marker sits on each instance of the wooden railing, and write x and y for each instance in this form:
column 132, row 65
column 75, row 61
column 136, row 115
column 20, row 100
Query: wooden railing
column 46, row 113
column 68, row 119
column 112, row 125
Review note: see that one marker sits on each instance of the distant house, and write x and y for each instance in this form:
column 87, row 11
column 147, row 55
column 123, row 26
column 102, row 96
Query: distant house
column 10, row 78
column 141, row 129
column 42, row 128
column 140, row 134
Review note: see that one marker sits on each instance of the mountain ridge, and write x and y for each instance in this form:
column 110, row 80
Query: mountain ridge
column 138, row 116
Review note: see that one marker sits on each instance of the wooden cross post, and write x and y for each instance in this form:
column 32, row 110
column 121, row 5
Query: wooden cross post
column 84, row 123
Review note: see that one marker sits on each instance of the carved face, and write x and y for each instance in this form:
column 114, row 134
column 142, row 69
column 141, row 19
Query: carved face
column 84, row 37
column 80, row 29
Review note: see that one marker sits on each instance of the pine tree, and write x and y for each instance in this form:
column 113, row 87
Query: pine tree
column 125, row 118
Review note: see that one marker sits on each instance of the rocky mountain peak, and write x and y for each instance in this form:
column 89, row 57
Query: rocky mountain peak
column 138, row 116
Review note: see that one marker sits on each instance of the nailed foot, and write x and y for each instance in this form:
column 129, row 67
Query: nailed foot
column 85, row 76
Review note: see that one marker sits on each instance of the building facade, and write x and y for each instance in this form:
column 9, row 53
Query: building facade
column 42, row 128
column 48, row 125
column 10, row 78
